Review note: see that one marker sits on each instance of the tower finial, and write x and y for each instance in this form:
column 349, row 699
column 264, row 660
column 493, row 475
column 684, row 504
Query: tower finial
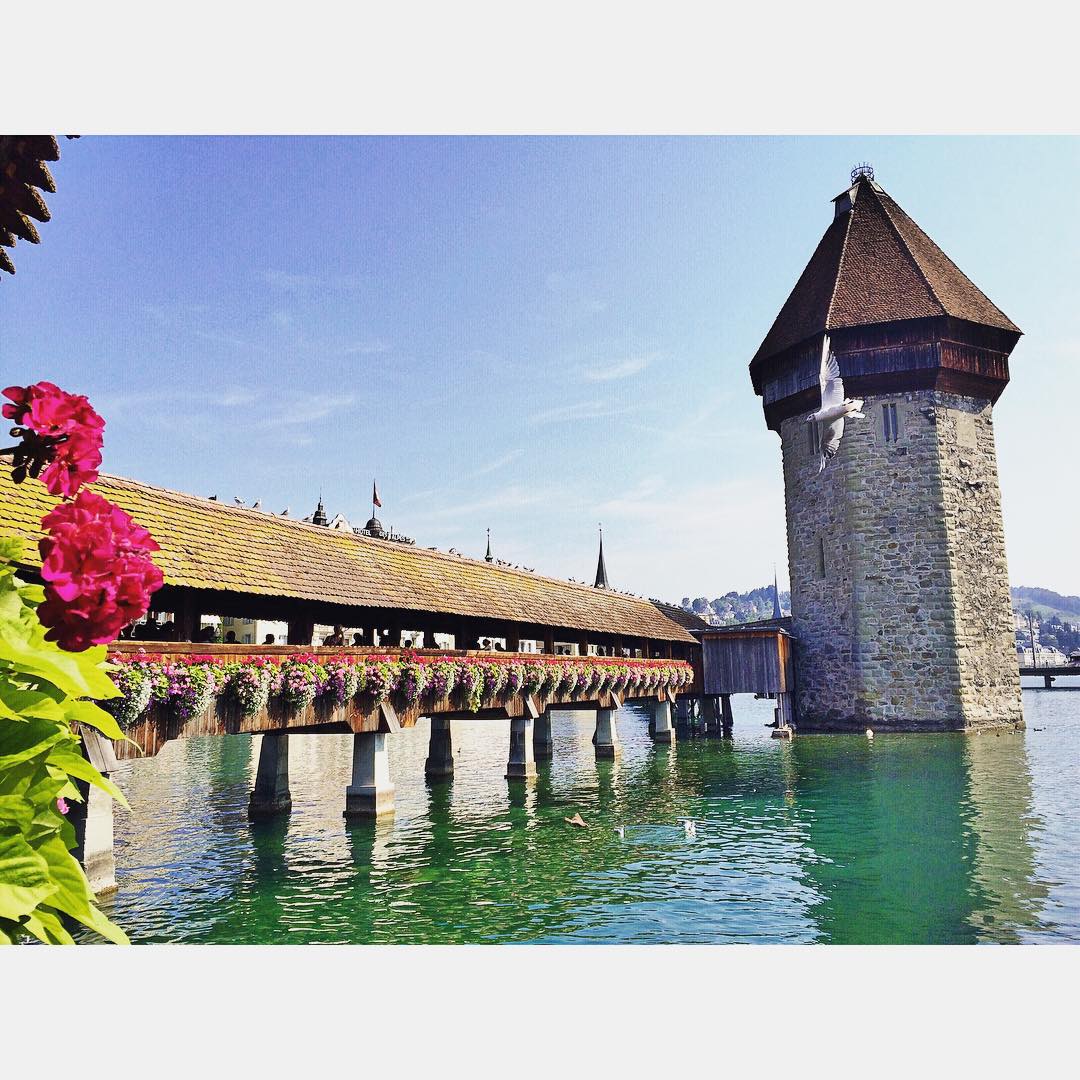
column 863, row 169
column 488, row 556
column 601, row 570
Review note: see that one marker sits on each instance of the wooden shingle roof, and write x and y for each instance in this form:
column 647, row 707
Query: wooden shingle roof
column 874, row 265
column 208, row 545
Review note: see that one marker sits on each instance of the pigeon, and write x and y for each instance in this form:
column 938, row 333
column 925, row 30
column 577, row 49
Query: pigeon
column 285, row 512
column 834, row 406
column 576, row 820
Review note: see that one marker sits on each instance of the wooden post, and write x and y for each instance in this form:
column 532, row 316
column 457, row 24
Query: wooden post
column 549, row 640
column 187, row 617
column 543, row 749
column 301, row 631
column 726, row 719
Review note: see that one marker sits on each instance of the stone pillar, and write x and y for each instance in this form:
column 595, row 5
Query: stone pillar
column 271, row 795
column 663, row 732
column 440, row 759
column 371, row 793
column 521, row 764
column 682, row 716
column 607, row 734
column 543, row 749
column 93, row 823
column 726, row 719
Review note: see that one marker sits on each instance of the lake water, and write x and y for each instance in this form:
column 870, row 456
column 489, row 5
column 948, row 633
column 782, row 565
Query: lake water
column 906, row 839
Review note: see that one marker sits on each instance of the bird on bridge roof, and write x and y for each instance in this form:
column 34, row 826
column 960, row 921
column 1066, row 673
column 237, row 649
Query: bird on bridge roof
column 238, row 500
column 834, row 406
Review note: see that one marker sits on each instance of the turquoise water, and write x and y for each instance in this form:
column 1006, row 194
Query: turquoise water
column 909, row 839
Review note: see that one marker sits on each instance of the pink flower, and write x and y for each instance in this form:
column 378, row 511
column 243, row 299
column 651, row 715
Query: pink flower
column 97, row 574
column 62, row 806
column 71, row 428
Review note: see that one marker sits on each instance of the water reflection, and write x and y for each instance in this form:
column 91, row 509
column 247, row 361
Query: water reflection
column 906, row 839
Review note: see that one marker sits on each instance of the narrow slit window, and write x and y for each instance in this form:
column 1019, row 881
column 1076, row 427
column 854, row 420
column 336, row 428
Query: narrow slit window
column 821, row 556
column 890, row 423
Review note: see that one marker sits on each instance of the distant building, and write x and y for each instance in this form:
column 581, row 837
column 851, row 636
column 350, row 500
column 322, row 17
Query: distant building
column 254, row 631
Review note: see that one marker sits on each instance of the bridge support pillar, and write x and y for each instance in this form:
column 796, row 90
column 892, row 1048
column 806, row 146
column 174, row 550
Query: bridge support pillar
column 92, row 819
column 1048, row 682
column 271, row 795
column 542, row 745
column 663, row 733
column 440, row 759
column 710, row 716
column 726, row 719
column 521, row 764
column 607, row 734
column 682, row 716
column 371, row 794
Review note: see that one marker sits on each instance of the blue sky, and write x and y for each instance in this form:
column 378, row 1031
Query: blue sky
column 531, row 334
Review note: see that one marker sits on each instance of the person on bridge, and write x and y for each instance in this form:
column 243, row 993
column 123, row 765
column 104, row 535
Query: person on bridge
column 336, row 638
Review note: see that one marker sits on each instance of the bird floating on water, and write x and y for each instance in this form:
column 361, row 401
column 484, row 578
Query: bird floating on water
column 576, row 820
column 689, row 826
column 834, row 406
column 869, row 733
column 620, row 832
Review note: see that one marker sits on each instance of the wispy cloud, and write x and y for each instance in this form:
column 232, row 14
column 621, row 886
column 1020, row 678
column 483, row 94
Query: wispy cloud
column 281, row 279
column 498, row 463
column 619, row 369
column 306, row 409
column 581, row 410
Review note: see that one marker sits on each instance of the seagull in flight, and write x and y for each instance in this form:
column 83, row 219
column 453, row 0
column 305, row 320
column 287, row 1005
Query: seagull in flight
column 834, row 406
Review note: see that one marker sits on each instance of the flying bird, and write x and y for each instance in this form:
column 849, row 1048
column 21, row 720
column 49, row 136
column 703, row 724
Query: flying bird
column 834, row 406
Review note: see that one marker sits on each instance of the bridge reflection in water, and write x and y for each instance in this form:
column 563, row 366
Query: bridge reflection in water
column 928, row 838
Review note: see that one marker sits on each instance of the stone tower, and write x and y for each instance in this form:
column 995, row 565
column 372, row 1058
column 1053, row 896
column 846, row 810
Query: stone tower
column 899, row 587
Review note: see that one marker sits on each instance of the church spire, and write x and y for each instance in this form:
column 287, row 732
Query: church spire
column 488, row 557
column 777, row 612
column 601, row 569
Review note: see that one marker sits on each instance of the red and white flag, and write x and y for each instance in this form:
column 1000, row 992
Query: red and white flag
column 375, row 500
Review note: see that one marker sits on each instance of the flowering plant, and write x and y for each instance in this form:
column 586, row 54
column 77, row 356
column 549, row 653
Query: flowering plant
column 97, row 575
column 60, row 431
column 302, row 679
column 248, row 684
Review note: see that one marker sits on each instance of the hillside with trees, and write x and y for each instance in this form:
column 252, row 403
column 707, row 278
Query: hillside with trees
column 736, row 607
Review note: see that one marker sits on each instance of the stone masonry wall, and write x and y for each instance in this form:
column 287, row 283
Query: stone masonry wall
column 907, row 626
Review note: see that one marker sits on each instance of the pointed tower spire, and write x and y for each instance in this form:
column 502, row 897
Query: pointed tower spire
column 777, row 612
column 601, row 570
column 319, row 517
column 488, row 557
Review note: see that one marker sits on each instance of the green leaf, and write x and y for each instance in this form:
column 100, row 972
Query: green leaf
column 16, row 812
column 26, row 703
column 74, row 764
column 73, row 896
column 24, row 877
column 21, row 742
column 45, row 926
column 86, row 712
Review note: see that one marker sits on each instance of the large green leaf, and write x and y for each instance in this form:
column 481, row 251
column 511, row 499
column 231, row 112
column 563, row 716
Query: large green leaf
column 45, row 926
column 21, row 742
column 74, row 764
column 16, row 813
column 24, row 877
column 73, row 896
column 86, row 712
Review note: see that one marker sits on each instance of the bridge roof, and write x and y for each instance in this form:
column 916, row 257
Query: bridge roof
column 875, row 265
column 208, row 545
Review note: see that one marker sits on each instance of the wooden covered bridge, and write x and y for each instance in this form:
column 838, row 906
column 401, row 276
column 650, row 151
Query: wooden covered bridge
column 230, row 560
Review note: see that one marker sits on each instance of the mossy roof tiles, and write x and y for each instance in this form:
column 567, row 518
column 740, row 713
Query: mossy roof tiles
column 212, row 546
